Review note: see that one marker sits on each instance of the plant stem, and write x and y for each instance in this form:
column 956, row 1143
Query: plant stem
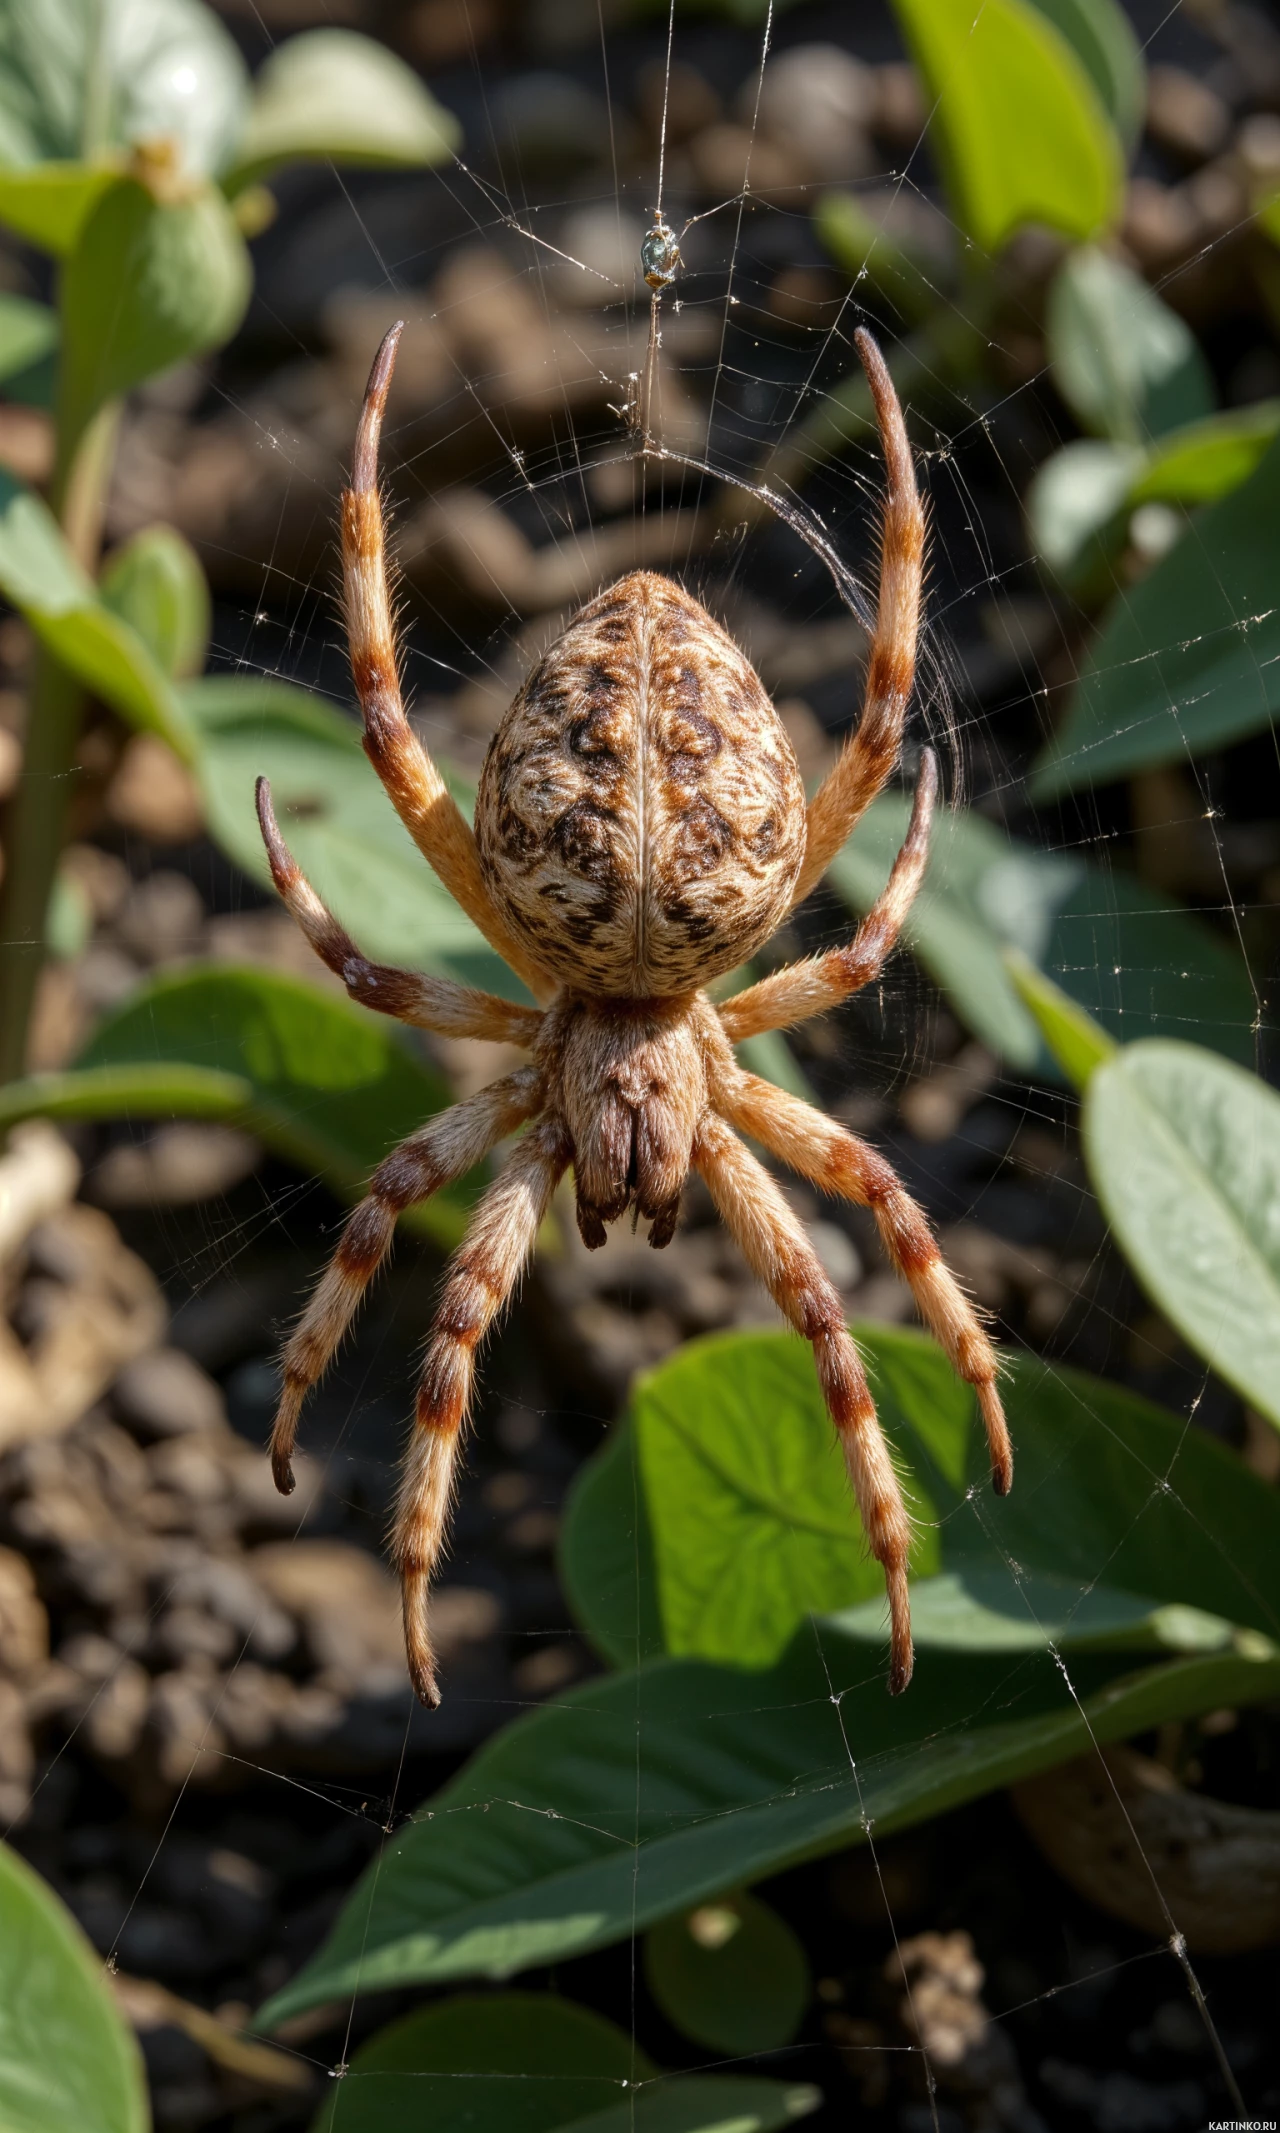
column 36, row 818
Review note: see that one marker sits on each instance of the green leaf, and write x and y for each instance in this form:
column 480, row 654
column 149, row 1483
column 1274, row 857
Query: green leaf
column 150, row 282
column 745, row 1524
column 638, row 1795
column 1187, row 660
column 321, row 1082
column 860, row 245
column 1078, row 1043
column 606, row 1554
column 512, row 2062
column 28, row 332
column 1126, row 364
column 331, row 94
column 1019, row 128
column 338, row 821
column 68, row 2063
column 49, row 203
column 156, row 584
column 1102, row 38
column 82, row 77
column 705, row 2103
column 1074, row 506
column 42, row 578
column 731, row 1975
column 1142, row 967
column 1205, row 460
column 1184, row 1154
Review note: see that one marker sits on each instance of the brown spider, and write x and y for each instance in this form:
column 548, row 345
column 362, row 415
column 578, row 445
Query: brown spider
column 640, row 829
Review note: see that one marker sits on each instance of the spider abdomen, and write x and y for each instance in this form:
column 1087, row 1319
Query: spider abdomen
column 640, row 815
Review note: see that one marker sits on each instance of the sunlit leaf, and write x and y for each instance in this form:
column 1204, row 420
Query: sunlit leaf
column 319, row 1081
column 68, row 2062
column 1019, row 127
column 333, row 94
column 338, row 822
column 48, row 204
column 732, row 1976
column 1101, row 35
column 79, row 77
column 41, row 577
column 155, row 583
column 1077, row 1042
column 151, row 281
column 1205, row 460
column 1184, row 1154
column 1190, row 658
column 1126, row 364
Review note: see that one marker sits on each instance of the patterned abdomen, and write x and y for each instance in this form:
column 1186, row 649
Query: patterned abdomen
column 640, row 815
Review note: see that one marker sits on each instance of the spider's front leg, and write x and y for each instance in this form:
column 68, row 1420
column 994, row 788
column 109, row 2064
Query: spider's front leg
column 777, row 1250
column 442, row 1151
column 481, row 1279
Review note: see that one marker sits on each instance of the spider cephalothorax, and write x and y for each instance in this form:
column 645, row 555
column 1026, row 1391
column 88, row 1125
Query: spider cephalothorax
column 640, row 829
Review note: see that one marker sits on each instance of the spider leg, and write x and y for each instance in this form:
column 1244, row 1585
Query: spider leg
column 483, row 1274
column 446, row 1148
column 872, row 748
column 777, row 1250
column 835, row 1161
column 428, row 1003
column 418, row 792
column 822, row 981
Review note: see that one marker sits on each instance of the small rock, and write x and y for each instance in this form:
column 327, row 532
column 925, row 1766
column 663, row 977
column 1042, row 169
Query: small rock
column 1184, row 115
column 837, row 1253
column 542, row 1673
column 177, row 1165
column 161, row 918
column 228, row 1592
column 165, row 1394
column 348, row 1606
column 24, row 1625
column 900, row 113
column 816, row 104
column 154, row 795
column 188, row 1741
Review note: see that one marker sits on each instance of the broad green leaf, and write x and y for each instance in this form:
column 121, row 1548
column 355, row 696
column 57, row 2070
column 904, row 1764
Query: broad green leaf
column 331, row 94
column 81, row 77
column 1126, row 364
column 1102, row 38
column 1205, row 460
column 28, row 331
column 68, row 2062
column 1184, row 1153
column 511, row 2062
column 48, row 204
column 41, row 577
column 1077, row 1042
column 731, row 1975
column 705, row 2103
column 1019, row 128
column 606, row 1554
column 155, row 583
column 745, row 1524
column 151, row 281
column 1142, row 967
column 639, row 1795
column 1190, row 658
column 321, row 1082
column 338, row 822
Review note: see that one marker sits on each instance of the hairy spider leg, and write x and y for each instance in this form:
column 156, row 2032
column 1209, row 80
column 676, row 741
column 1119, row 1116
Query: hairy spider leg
column 439, row 1004
column 831, row 1158
column 445, row 1149
column 871, row 750
column 800, row 990
column 417, row 791
column 482, row 1277
column 778, row 1252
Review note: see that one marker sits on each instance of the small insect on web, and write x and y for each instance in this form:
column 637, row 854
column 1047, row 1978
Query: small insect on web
column 641, row 829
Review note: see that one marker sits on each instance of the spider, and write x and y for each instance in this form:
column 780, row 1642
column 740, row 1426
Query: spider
column 640, row 829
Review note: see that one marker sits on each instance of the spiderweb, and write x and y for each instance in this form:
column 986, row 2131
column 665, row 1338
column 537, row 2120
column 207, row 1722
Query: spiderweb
column 573, row 423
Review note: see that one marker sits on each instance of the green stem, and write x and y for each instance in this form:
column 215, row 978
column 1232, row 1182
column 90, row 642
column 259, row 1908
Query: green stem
column 36, row 818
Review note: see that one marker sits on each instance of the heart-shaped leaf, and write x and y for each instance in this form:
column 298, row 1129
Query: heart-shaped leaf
column 68, row 2063
column 155, row 583
column 159, row 272
column 1184, row 1154
column 1136, row 962
column 732, row 1975
column 334, row 95
column 735, row 1521
column 80, row 77
column 338, row 822
column 42, row 578
column 1018, row 125
column 1126, row 364
column 326, row 1085
column 1190, row 658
